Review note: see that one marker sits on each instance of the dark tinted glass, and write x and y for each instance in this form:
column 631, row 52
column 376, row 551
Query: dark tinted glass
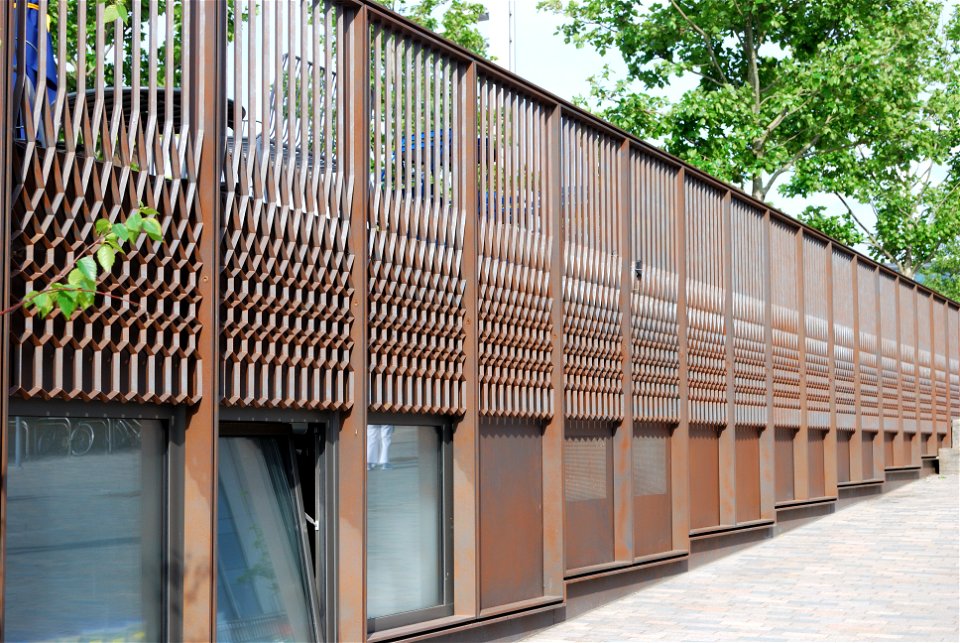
column 84, row 530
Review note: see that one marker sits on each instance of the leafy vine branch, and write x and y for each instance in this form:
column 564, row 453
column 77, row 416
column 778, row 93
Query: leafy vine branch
column 75, row 287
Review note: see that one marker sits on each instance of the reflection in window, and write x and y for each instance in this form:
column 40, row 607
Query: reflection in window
column 404, row 520
column 263, row 586
column 84, row 529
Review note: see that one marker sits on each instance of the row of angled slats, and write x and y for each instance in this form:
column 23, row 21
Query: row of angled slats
column 706, row 324
column 818, row 361
column 82, row 158
column 844, row 302
column 748, row 245
column 415, row 226
column 592, row 346
column 284, row 275
column 656, row 365
column 514, row 250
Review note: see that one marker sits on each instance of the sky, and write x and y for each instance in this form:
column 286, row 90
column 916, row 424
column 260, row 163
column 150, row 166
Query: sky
column 541, row 56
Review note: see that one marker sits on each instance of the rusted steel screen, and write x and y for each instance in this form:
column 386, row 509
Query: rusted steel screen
column 748, row 473
column 816, row 306
column 926, row 406
column 869, row 347
column 706, row 325
column 704, row 477
column 889, row 457
column 844, row 367
column 783, row 463
column 511, row 514
column 750, row 261
column 867, row 457
column 941, row 399
column 816, row 459
column 656, row 366
column 112, row 136
column 953, row 367
column 889, row 354
column 415, row 228
column 786, row 325
column 592, row 332
column 843, row 455
column 286, row 317
column 513, row 245
column 588, row 493
column 908, row 357
column 652, row 513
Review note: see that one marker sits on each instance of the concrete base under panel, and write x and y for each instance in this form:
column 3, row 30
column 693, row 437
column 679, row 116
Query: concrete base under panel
column 589, row 592
column 949, row 460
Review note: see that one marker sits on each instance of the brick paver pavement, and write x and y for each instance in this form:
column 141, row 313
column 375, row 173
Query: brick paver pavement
column 885, row 569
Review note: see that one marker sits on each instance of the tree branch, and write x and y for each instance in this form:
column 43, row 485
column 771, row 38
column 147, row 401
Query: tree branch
column 873, row 239
column 706, row 41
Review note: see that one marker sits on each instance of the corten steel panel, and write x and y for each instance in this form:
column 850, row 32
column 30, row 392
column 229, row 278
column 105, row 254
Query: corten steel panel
column 514, row 238
column 656, row 366
column 869, row 346
column 748, row 473
column 817, row 463
column 843, row 455
column 844, row 368
column 926, row 405
column 652, row 495
column 704, row 477
column 908, row 357
column 6, row 18
column 786, row 325
column 416, row 222
column 588, row 493
column 284, row 280
column 592, row 330
column 908, row 449
column 749, row 261
column 890, row 456
column 890, row 354
column 819, row 362
column 941, row 391
column 351, row 439
column 784, row 463
column 706, row 325
column 511, row 517
column 870, row 471
column 107, row 161
column 953, row 368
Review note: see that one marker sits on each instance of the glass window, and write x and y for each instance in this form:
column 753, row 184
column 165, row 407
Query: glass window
column 85, row 529
column 263, row 574
column 405, row 524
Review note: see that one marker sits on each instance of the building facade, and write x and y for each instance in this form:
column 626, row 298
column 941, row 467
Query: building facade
column 423, row 347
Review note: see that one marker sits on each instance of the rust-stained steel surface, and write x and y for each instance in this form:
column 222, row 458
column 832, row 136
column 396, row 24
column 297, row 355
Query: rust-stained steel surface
column 511, row 517
column 361, row 217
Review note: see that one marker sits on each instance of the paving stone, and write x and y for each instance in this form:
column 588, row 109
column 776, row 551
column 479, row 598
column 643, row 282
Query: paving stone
column 887, row 568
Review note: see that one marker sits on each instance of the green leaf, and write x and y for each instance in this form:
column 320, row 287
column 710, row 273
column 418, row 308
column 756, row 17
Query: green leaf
column 122, row 12
column 123, row 234
column 44, row 303
column 152, row 227
column 85, row 298
column 77, row 279
column 134, row 223
column 146, row 210
column 106, row 256
column 103, row 226
column 111, row 13
column 66, row 300
column 88, row 267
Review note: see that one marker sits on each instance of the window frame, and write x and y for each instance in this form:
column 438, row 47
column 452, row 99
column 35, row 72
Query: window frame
column 444, row 427
column 321, row 554
column 173, row 421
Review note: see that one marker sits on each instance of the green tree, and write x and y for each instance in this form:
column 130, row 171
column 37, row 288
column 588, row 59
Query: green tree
column 835, row 96
column 455, row 20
